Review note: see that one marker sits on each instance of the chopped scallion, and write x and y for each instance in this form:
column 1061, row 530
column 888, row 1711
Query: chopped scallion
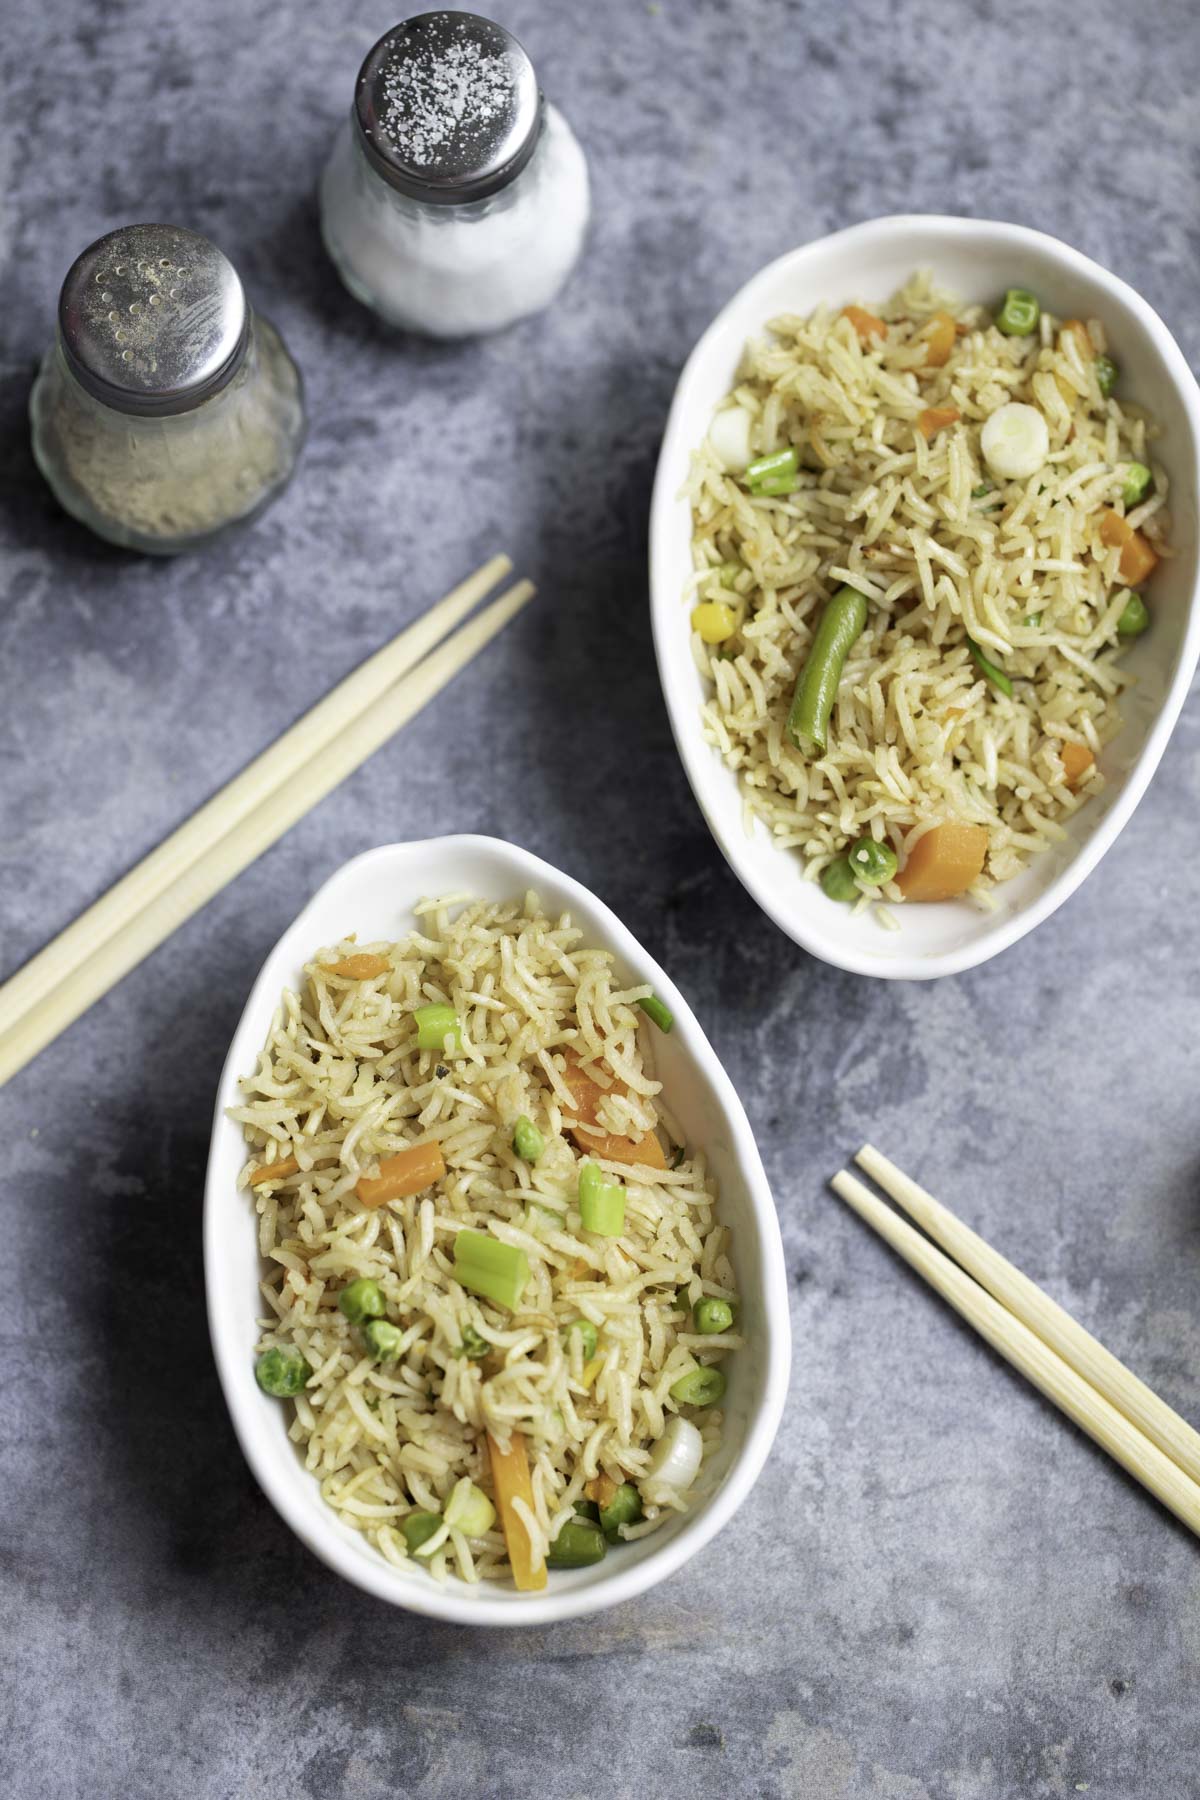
column 996, row 676
column 495, row 1270
column 434, row 1025
column 657, row 1013
column 601, row 1203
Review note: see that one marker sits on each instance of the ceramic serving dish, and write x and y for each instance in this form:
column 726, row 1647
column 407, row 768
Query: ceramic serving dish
column 371, row 896
column 979, row 259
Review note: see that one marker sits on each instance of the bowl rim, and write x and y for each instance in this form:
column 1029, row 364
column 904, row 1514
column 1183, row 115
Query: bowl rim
column 286, row 1492
column 700, row 761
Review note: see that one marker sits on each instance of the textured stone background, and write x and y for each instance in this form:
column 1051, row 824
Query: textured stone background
column 938, row 1591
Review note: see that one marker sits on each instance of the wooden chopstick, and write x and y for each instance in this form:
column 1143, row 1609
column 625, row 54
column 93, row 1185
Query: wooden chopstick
column 194, row 838
column 1160, row 1423
column 1103, row 1422
column 229, row 854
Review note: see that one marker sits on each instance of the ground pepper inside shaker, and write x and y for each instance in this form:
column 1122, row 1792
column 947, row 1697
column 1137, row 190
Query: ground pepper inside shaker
column 165, row 411
column 456, row 199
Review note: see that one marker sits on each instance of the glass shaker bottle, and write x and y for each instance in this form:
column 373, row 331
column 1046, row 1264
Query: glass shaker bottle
column 456, row 199
column 165, row 411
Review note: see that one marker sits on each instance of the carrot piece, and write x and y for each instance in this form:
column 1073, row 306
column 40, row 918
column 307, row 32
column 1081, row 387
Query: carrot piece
column 938, row 337
column 405, row 1173
column 511, row 1480
column 944, row 862
column 601, row 1489
column 1082, row 337
column 865, row 323
column 934, row 418
column 1077, row 760
column 274, row 1171
column 359, row 967
column 587, row 1095
column 1138, row 560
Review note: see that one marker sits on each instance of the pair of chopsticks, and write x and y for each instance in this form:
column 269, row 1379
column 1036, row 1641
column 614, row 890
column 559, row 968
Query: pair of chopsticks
column 247, row 816
column 1068, row 1365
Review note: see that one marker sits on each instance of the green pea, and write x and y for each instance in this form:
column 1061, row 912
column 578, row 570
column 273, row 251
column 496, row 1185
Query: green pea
column 362, row 1299
column 1106, row 374
column 587, row 1337
column 872, row 861
column 382, row 1339
column 579, row 1544
column 711, row 1315
column 838, row 880
column 281, row 1372
column 1019, row 314
column 418, row 1528
column 1136, row 484
column 528, row 1141
column 1033, row 620
column 1134, row 619
column 474, row 1344
column 699, row 1387
column 625, row 1508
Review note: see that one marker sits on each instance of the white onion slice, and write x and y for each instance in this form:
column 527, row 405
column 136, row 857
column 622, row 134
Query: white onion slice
column 729, row 435
column 1015, row 442
column 675, row 1461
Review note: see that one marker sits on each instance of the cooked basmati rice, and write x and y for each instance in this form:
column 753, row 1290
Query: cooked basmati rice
column 341, row 1084
column 918, row 736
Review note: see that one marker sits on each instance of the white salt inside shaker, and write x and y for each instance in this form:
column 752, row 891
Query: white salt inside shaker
column 456, row 199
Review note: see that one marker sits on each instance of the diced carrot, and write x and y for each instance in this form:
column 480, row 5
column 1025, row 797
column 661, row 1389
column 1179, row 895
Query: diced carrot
column 359, row 967
column 1138, row 560
column 944, row 862
column 938, row 337
column 579, row 1268
column 865, row 323
column 274, row 1171
column 1077, row 760
column 511, row 1480
column 1080, row 333
column 601, row 1489
column 587, row 1095
column 408, row 1172
column 935, row 418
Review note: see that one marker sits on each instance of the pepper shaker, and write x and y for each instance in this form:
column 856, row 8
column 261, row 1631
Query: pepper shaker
column 165, row 411
column 456, row 198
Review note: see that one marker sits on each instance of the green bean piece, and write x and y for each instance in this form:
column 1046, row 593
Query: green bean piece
column 625, row 1508
column 474, row 1345
column 528, row 1141
column 1136, row 484
column 587, row 1337
column 281, row 1372
column 361, row 1300
column 872, row 861
column 776, row 485
column 418, row 1528
column 382, row 1339
column 771, row 468
column 1033, row 620
column 1134, row 619
column 837, row 880
column 587, row 1509
column 1106, row 374
column 841, row 624
column 710, row 1315
column 657, row 1013
column 699, row 1387
column 601, row 1203
column 434, row 1025
column 1019, row 314
column 996, row 676
column 579, row 1544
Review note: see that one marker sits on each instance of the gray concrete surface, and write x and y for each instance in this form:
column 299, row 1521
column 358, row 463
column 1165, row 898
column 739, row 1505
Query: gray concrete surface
column 939, row 1591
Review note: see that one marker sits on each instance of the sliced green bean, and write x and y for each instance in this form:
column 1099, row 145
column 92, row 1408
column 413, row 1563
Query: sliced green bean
column 1136, row 484
column 578, row 1544
column 1019, row 314
column 1106, row 374
column 840, row 626
column 625, row 1508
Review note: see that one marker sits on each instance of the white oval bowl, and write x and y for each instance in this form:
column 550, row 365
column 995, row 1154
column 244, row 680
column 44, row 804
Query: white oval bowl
column 979, row 259
column 371, row 896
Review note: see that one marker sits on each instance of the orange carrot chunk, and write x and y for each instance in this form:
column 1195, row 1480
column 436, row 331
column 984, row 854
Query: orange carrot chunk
column 936, row 418
column 944, row 863
column 274, row 1171
column 406, row 1173
column 1138, row 560
column 511, row 1480
column 359, row 967
column 601, row 1489
column 1077, row 760
column 865, row 323
column 590, row 1137
column 938, row 337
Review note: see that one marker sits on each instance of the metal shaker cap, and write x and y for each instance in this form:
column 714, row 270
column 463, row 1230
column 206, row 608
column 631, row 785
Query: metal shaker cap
column 448, row 107
column 153, row 319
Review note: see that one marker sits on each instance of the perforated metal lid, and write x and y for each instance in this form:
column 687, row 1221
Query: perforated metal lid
column 448, row 107
column 153, row 319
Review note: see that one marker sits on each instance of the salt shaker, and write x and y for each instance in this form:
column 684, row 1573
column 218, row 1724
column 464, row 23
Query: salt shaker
column 456, row 199
column 165, row 411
